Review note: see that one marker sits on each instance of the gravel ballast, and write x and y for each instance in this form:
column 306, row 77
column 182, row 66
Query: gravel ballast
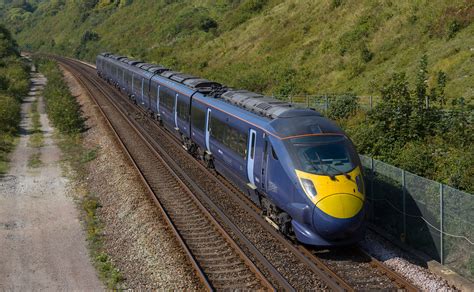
column 403, row 263
column 135, row 235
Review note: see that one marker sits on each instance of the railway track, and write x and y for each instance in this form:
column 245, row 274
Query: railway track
column 219, row 262
column 347, row 270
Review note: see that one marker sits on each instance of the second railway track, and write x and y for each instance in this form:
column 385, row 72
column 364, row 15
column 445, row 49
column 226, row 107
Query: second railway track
column 219, row 262
column 309, row 268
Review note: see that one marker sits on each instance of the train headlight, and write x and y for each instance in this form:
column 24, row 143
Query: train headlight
column 308, row 187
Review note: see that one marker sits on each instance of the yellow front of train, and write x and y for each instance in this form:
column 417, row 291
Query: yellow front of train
column 330, row 174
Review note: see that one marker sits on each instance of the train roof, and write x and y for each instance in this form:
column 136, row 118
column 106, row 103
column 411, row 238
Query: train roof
column 265, row 106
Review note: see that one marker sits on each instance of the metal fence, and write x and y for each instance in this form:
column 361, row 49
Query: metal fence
column 322, row 102
column 429, row 216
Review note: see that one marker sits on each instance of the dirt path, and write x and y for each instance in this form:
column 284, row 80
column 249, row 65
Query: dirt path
column 42, row 244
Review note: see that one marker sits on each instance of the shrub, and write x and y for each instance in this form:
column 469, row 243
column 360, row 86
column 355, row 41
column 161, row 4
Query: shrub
column 343, row 106
column 416, row 157
column 9, row 114
column 62, row 107
column 366, row 54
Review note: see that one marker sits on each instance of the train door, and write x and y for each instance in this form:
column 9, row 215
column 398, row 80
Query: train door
column 158, row 100
column 142, row 92
column 251, row 156
column 264, row 163
column 208, row 129
column 176, row 112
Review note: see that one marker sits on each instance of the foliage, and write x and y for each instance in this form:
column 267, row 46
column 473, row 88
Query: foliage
column 8, row 46
column 9, row 114
column 414, row 129
column 62, row 107
column 333, row 46
column 343, row 107
column 14, row 83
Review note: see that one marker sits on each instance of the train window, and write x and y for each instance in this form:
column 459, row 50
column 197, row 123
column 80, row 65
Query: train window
column 183, row 110
column 167, row 98
column 198, row 118
column 274, row 155
column 229, row 136
column 217, row 129
column 252, row 147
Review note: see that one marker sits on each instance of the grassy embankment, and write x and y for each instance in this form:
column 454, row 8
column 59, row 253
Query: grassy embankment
column 14, row 83
column 296, row 47
column 65, row 114
column 271, row 46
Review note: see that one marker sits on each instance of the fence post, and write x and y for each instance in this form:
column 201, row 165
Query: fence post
column 372, row 187
column 307, row 101
column 441, row 223
column 404, row 192
column 427, row 99
column 326, row 106
column 370, row 102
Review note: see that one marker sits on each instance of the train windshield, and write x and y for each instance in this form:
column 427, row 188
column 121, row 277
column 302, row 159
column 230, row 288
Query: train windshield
column 325, row 154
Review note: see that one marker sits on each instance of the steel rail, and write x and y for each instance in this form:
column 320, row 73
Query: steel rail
column 335, row 282
column 314, row 263
column 182, row 242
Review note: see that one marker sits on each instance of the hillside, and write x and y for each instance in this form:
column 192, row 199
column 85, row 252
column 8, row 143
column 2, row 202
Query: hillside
column 286, row 47
column 271, row 46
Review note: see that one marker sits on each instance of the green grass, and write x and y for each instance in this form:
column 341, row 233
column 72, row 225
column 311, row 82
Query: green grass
column 107, row 272
column 36, row 138
column 7, row 144
column 35, row 160
column 273, row 46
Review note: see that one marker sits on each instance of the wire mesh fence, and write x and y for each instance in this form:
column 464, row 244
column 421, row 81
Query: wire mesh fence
column 427, row 215
column 323, row 102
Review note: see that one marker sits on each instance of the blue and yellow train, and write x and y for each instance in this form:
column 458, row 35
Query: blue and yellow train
column 298, row 166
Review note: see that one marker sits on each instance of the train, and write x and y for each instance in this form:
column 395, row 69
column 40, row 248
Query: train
column 298, row 166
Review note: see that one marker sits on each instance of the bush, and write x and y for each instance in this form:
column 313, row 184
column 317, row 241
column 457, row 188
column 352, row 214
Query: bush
column 9, row 114
column 62, row 107
column 416, row 157
column 343, row 106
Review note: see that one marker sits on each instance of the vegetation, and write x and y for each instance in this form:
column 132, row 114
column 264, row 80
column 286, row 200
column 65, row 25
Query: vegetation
column 36, row 137
column 35, row 160
column 414, row 128
column 13, row 86
column 65, row 114
column 271, row 46
column 63, row 109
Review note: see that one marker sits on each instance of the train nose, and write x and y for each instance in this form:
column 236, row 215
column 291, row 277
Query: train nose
column 338, row 216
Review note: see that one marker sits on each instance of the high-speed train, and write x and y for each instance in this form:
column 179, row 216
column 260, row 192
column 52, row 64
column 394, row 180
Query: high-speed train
column 298, row 166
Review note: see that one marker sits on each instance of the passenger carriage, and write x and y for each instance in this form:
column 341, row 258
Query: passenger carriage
column 297, row 165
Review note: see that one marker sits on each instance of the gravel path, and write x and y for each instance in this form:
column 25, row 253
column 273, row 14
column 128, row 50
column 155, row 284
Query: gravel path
column 136, row 235
column 42, row 243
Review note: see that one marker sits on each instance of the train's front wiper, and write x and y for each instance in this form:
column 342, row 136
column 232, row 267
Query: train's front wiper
column 320, row 163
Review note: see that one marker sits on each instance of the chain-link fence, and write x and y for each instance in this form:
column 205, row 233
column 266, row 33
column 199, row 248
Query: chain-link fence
column 429, row 216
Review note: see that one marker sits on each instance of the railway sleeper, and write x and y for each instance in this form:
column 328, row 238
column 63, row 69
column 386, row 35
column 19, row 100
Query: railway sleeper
column 216, row 260
column 186, row 228
column 202, row 248
column 239, row 268
column 247, row 285
column 213, row 254
column 231, row 277
column 206, row 245
column 201, row 239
